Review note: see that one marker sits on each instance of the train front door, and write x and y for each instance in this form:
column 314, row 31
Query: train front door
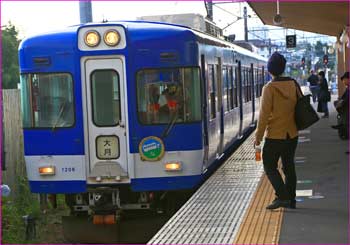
column 105, row 132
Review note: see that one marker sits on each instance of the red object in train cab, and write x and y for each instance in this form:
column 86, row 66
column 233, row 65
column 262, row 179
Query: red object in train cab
column 154, row 107
column 172, row 104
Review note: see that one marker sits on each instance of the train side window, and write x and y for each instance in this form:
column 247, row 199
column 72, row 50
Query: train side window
column 262, row 78
column 226, row 90
column 246, row 75
column 245, row 85
column 235, row 87
column 250, row 84
column 243, row 95
column 257, row 82
column 250, row 81
column 47, row 100
column 105, row 94
column 212, row 91
column 261, row 81
column 230, row 90
column 218, row 89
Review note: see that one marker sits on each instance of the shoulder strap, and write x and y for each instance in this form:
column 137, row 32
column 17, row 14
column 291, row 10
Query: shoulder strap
column 298, row 89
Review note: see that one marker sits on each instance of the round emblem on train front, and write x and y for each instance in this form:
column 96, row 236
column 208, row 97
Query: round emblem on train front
column 151, row 149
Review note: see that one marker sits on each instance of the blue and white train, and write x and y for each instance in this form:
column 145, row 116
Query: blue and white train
column 117, row 115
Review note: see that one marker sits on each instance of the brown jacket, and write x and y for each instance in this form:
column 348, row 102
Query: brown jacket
column 277, row 109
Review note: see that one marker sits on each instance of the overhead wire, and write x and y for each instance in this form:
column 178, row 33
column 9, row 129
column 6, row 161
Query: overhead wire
column 227, row 11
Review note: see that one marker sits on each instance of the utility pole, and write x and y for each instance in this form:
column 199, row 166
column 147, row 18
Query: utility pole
column 85, row 11
column 245, row 17
column 209, row 8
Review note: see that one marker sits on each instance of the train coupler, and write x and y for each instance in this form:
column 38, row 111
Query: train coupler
column 109, row 219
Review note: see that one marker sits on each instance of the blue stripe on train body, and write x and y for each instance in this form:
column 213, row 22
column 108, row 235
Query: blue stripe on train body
column 138, row 184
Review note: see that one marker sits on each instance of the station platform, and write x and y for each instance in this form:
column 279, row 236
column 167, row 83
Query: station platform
column 229, row 208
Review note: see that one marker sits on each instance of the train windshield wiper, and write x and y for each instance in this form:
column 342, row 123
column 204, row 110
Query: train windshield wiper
column 63, row 106
column 170, row 125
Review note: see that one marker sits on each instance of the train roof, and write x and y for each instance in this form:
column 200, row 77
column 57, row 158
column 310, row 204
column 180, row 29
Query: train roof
column 67, row 37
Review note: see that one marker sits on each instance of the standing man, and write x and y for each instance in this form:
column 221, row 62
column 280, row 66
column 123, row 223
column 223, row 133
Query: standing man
column 323, row 95
column 313, row 85
column 276, row 117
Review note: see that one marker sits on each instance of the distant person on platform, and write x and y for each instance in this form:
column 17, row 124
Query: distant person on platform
column 313, row 85
column 323, row 95
column 276, row 117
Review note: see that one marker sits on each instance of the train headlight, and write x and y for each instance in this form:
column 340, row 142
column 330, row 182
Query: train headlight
column 92, row 38
column 47, row 170
column 173, row 166
column 111, row 38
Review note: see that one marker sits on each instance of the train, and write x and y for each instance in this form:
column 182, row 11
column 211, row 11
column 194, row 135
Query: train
column 120, row 115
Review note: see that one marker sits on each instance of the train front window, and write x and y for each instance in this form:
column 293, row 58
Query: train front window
column 105, row 97
column 47, row 100
column 168, row 94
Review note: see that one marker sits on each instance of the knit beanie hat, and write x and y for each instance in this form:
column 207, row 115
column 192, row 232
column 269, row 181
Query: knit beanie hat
column 276, row 64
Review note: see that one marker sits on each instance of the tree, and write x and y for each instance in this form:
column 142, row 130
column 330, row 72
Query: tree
column 10, row 69
column 321, row 49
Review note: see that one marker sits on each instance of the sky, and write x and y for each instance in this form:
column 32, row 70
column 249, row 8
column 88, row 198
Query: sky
column 36, row 17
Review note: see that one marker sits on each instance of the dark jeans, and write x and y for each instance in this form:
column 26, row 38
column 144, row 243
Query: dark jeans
column 324, row 105
column 272, row 151
column 314, row 91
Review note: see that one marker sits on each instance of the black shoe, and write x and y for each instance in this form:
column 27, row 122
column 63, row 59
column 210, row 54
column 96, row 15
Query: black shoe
column 278, row 203
column 325, row 116
column 339, row 126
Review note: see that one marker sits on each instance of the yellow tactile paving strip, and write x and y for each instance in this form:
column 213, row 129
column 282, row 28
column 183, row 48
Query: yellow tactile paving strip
column 261, row 226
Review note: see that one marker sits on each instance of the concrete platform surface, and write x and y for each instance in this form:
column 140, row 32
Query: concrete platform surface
column 323, row 167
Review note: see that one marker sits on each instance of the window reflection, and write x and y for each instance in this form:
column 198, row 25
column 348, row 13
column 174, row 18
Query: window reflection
column 47, row 100
column 164, row 94
column 105, row 90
